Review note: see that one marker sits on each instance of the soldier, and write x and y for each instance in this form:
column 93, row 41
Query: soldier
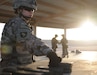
column 64, row 46
column 18, row 44
column 54, row 43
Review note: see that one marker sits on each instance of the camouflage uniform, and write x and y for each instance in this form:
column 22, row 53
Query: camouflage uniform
column 54, row 43
column 64, row 42
column 18, row 42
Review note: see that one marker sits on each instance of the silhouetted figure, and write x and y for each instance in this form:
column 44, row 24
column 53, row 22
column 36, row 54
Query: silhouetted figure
column 64, row 46
column 54, row 42
column 78, row 51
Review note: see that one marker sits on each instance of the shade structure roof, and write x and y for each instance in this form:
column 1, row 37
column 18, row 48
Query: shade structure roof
column 55, row 13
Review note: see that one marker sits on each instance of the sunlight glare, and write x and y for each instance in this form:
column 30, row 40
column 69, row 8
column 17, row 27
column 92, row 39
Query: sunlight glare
column 87, row 31
column 90, row 56
column 88, row 25
column 46, row 33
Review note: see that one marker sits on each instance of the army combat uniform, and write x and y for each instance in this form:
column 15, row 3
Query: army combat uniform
column 64, row 47
column 18, row 43
column 54, row 43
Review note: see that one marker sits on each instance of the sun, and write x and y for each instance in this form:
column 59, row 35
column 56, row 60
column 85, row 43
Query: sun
column 87, row 31
column 88, row 24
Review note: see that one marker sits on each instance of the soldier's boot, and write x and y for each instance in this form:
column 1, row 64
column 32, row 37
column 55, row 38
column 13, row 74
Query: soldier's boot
column 67, row 56
column 34, row 60
column 63, row 55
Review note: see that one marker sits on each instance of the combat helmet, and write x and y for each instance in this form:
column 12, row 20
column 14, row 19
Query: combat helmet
column 26, row 3
column 56, row 35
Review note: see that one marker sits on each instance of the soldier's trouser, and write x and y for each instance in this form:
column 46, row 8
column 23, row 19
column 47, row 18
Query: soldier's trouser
column 64, row 52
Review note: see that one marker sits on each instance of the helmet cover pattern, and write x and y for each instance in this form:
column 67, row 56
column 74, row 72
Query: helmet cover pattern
column 27, row 3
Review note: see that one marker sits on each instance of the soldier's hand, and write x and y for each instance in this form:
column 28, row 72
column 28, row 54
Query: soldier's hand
column 54, row 60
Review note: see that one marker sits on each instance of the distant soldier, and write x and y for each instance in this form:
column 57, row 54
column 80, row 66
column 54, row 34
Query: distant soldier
column 18, row 44
column 64, row 46
column 54, row 43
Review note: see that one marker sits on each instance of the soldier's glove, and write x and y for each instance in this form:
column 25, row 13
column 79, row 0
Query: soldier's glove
column 54, row 59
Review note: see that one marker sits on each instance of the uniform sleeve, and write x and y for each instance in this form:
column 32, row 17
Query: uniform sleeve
column 7, row 38
column 39, row 47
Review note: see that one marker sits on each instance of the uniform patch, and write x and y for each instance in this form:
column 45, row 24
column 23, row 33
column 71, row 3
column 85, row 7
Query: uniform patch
column 23, row 34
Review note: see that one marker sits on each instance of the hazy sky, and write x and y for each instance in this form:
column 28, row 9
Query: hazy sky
column 48, row 33
column 1, row 29
column 82, row 34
